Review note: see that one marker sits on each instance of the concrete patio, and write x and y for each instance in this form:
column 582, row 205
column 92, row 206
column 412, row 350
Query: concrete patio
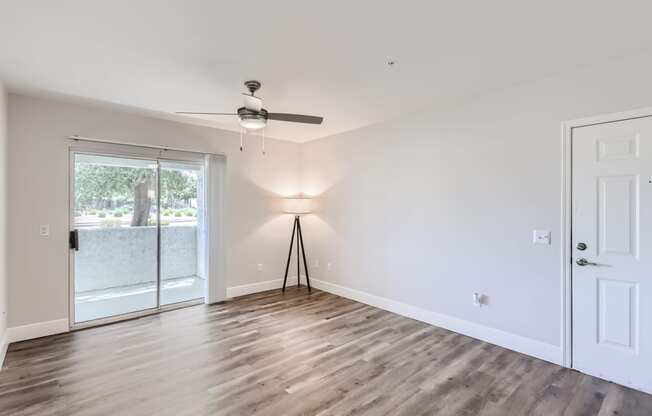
column 116, row 269
column 102, row 303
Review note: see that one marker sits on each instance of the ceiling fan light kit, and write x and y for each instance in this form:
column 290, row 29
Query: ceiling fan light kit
column 252, row 120
column 243, row 133
column 254, row 117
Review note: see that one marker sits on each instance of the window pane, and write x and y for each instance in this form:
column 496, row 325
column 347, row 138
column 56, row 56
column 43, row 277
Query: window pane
column 182, row 237
column 115, row 217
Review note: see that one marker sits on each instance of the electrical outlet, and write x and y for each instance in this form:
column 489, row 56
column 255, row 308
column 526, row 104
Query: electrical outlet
column 329, row 266
column 315, row 264
column 44, row 230
column 478, row 299
column 260, row 267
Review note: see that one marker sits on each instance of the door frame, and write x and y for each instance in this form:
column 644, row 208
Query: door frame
column 567, row 217
column 123, row 153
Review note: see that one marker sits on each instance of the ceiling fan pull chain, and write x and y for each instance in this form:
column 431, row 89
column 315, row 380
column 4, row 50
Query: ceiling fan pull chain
column 241, row 139
column 264, row 153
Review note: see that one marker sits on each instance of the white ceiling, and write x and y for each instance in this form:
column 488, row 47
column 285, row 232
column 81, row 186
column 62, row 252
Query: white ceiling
column 323, row 58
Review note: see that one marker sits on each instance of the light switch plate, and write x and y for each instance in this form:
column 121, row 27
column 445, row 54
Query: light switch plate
column 541, row 237
column 44, row 230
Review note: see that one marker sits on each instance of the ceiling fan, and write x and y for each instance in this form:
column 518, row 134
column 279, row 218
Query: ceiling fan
column 252, row 116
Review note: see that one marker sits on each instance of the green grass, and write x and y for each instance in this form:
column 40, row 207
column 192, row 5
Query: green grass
column 110, row 223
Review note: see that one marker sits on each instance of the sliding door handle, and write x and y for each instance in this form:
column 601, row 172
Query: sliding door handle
column 73, row 240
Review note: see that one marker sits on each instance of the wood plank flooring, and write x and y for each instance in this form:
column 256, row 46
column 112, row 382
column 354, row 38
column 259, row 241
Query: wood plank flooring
column 292, row 354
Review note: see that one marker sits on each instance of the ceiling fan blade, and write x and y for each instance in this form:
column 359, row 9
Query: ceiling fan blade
column 206, row 114
column 252, row 102
column 295, row 118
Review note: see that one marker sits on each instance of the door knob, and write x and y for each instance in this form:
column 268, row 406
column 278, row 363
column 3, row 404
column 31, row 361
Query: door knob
column 584, row 262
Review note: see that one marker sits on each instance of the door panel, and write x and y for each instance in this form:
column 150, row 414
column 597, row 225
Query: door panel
column 183, row 274
column 115, row 266
column 618, row 215
column 618, row 148
column 617, row 310
column 612, row 289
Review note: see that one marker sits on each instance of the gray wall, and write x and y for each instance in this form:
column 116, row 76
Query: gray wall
column 38, row 194
column 425, row 209
column 4, row 297
column 429, row 208
column 111, row 257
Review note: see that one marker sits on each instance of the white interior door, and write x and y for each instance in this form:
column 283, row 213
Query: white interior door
column 612, row 251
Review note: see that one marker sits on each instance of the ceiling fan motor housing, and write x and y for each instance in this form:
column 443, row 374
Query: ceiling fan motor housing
column 252, row 86
column 245, row 113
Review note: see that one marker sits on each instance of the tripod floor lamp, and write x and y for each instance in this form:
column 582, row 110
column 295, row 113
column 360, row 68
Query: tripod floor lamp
column 297, row 206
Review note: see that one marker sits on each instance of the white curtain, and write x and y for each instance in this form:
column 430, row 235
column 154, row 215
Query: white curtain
column 214, row 230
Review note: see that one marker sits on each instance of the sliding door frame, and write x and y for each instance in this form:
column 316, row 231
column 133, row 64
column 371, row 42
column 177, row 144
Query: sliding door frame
column 139, row 153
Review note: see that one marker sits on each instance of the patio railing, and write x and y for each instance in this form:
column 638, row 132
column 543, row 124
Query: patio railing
column 125, row 256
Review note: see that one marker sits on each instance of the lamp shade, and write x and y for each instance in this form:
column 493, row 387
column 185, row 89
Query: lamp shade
column 297, row 205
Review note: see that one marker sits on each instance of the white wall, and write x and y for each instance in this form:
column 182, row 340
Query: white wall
column 3, row 210
column 431, row 207
column 38, row 194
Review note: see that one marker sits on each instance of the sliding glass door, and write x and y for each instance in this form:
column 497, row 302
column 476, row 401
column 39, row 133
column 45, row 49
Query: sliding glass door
column 136, row 235
column 183, row 274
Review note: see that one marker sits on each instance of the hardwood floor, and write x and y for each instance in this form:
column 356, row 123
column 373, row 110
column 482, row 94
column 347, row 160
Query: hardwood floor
column 292, row 354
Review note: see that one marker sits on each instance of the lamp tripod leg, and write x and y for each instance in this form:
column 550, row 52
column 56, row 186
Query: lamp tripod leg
column 287, row 266
column 303, row 251
column 297, row 221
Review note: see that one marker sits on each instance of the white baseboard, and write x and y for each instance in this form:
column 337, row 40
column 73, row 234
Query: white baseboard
column 37, row 330
column 518, row 343
column 524, row 345
column 235, row 291
column 4, row 344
